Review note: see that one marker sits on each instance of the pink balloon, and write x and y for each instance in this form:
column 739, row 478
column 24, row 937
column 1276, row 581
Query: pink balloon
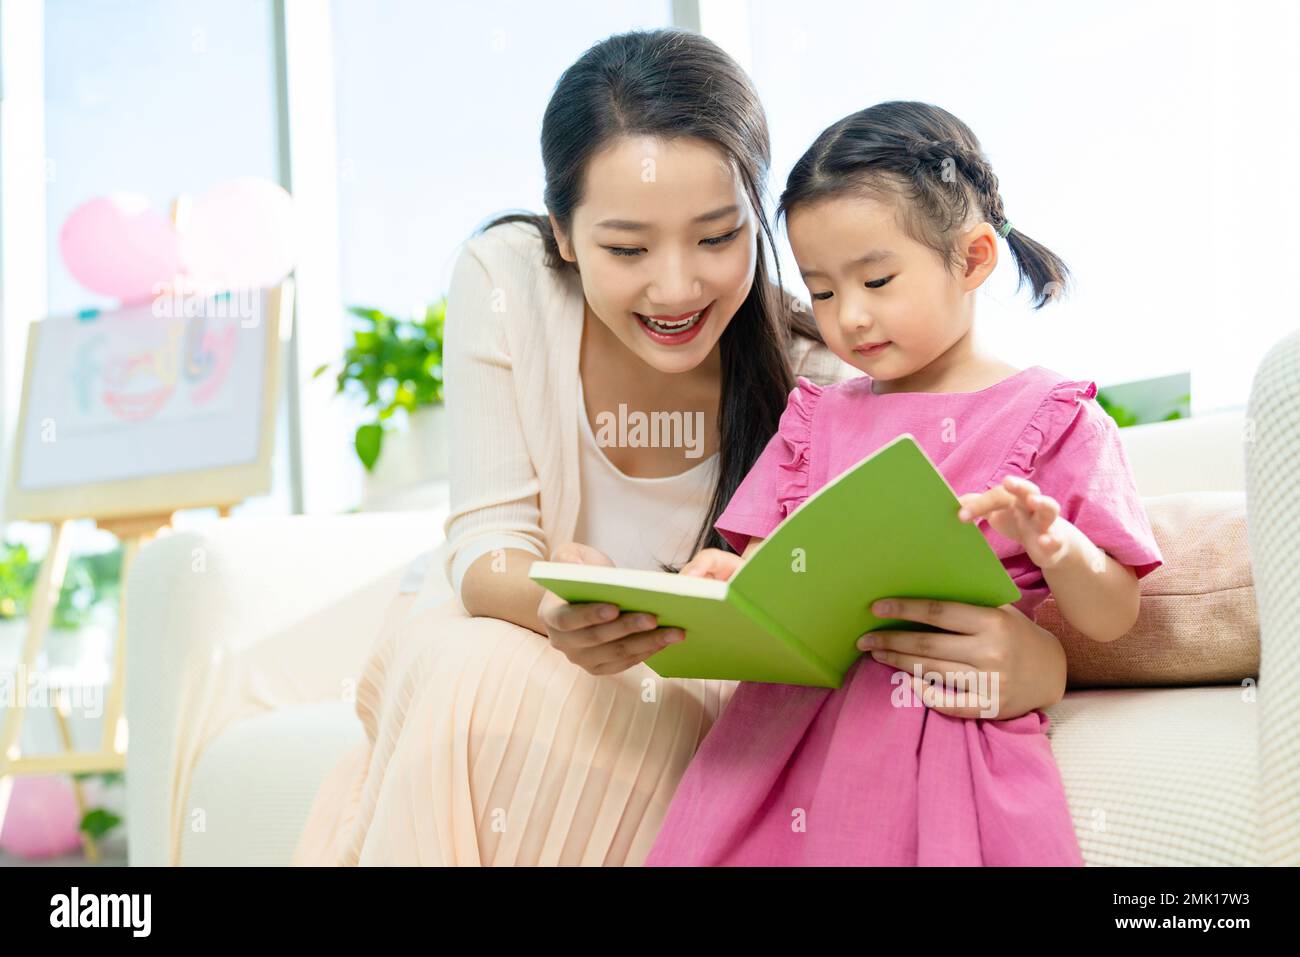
column 43, row 819
column 117, row 246
column 241, row 234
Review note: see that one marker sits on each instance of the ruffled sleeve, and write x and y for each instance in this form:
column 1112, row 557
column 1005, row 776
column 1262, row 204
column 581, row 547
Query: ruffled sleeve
column 1071, row 449
column 778, row 482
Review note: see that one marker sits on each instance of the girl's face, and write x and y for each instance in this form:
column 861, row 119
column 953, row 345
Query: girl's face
column 666, row 245
column 883, row 302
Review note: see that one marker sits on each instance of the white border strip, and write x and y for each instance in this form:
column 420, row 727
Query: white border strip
column 24, row 173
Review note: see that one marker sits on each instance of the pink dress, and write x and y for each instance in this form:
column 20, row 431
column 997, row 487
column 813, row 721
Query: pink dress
column 793, row 775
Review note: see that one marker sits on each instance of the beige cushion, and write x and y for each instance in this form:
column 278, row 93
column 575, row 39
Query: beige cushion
column 1198, row 623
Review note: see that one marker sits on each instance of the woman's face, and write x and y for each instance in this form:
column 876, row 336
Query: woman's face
column 666, row 245
column 871, row 283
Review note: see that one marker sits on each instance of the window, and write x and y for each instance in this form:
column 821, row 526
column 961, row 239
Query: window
column 182, row 96
column 439, row 117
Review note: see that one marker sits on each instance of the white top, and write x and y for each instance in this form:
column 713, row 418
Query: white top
column 514, row 424
column 639, row 522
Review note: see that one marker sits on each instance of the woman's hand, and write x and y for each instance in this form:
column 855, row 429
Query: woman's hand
column 1017, row 510
column 713, row 563
column 594, row 636
column 1010, row 665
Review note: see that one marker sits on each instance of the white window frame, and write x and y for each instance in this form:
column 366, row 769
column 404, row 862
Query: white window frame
column 23, row 175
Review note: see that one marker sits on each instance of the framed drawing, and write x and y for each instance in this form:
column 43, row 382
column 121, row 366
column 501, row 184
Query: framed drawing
column 149, row 409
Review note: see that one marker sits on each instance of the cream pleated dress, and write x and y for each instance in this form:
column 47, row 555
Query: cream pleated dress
column 484, row 744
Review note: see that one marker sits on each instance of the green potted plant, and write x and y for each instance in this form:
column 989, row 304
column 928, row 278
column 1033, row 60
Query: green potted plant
column 396, row 363
column 87, row 597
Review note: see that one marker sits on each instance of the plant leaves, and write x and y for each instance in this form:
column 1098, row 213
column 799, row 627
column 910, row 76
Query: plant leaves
column 107, row 777
column 369, row 440
column 393, row 363
column 99, row 821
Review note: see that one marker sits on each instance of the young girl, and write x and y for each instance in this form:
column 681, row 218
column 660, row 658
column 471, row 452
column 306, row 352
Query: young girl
column 894, row 215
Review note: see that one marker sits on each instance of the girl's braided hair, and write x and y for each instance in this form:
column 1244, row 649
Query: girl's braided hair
column 925, row 156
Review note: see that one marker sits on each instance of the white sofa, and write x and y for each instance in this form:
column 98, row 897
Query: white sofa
column 238, row 675
column 238, row 678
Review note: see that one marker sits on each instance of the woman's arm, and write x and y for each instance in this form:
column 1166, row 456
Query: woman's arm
column 497, row 586
column 494, row 524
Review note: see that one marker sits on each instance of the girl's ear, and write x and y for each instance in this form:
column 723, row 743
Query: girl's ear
column 562, row 240
column 979, row 251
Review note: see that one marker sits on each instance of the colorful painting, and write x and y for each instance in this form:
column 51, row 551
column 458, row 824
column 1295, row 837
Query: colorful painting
column 170, row 386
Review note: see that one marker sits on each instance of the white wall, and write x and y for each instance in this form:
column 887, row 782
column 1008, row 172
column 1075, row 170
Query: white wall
column 1150, row 144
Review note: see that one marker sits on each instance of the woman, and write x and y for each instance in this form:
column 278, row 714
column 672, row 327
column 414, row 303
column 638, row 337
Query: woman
column 505, row 726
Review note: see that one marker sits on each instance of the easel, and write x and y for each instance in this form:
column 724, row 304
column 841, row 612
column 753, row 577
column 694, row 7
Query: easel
column 135, row 510
column 132, row 532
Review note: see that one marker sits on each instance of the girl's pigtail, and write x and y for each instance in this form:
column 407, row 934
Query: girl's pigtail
column 1045, row 271
column 1047, row 274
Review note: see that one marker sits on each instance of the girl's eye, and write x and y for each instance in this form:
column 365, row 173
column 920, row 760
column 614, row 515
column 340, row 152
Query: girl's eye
column 877, row 283
column 624, row 251
column 819, row 296
column 719, row 240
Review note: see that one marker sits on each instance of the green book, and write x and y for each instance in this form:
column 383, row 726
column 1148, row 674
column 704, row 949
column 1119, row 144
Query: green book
column 792, row 614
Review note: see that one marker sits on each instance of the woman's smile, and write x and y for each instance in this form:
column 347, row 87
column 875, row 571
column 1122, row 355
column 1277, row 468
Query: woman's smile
column 674, row 332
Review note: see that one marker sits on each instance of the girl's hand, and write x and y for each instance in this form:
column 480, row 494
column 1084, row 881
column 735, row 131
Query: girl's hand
column 595, row 636
column 1010, row 664
column 713, row 563
column 1017, row 510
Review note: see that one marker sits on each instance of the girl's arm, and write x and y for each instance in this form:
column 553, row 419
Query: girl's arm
column 1096, row 594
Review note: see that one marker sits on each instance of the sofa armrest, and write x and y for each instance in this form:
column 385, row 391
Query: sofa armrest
column 241, row 618
column 1273, row 529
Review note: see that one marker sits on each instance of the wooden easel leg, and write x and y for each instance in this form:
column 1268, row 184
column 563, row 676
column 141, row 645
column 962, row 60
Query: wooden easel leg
column 61, row 712
column 112, row 733
column 45, row 595
column 132, row 532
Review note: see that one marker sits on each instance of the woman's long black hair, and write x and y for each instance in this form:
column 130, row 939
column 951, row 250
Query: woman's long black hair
column 671, row 84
